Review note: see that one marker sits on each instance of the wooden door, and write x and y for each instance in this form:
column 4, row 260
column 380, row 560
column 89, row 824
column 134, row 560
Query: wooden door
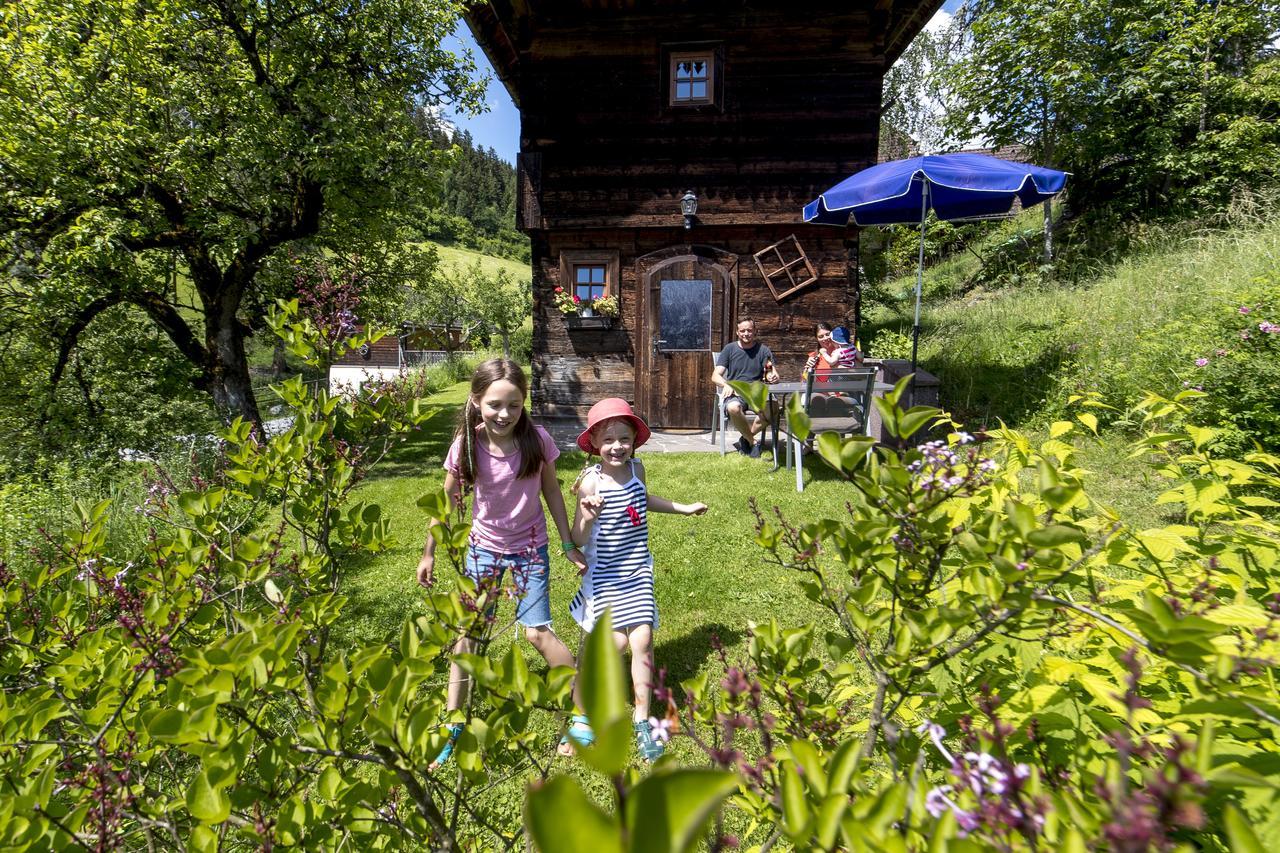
column 685, row 312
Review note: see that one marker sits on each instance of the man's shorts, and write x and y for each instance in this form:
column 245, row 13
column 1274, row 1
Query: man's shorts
column 531, row 573
column 746, row 407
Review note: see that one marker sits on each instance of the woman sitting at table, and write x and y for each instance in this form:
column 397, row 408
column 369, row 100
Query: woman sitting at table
column 835, row 352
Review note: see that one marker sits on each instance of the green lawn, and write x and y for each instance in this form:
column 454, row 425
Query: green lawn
column 712, row 580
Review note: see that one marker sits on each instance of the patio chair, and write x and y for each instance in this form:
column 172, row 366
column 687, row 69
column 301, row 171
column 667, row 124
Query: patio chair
column 841, row 404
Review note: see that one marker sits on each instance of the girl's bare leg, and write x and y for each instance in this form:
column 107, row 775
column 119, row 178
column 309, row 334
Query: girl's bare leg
column 459, row 681
column 640, row 638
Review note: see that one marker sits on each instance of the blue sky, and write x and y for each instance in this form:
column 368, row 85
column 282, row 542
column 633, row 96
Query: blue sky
column 499, row 128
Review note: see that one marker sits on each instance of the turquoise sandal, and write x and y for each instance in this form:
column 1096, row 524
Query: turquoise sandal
column 455, row 731
column 580, row 732
column 650, row 749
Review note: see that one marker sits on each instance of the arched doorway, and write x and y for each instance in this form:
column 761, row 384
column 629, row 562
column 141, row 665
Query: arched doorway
column 687, row 304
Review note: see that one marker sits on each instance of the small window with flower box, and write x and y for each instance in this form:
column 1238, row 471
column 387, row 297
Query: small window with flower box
column 589, row 294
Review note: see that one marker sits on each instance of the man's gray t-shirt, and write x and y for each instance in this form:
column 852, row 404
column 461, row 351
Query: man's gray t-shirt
column 744, row 365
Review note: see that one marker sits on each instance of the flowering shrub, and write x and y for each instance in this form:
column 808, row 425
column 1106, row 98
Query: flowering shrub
column 997, row 662
column 606, row 306
column 183, row 689
column 1004, row 663
column 1240, row 375
column 566, row 302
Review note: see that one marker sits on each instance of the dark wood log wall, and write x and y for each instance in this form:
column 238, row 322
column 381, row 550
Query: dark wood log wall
column 604, row 157
column 573, row 369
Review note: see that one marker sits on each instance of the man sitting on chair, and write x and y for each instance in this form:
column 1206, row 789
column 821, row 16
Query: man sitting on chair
column 745, row 360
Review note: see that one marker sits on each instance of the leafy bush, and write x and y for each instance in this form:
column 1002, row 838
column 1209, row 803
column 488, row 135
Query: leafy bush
column 1014, row 667
column 522, row 344
column 888, row 343
column 1009, row 665
column 184, row 687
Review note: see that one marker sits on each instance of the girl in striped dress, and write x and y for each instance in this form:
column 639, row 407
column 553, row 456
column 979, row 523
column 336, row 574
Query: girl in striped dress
column 612, row 528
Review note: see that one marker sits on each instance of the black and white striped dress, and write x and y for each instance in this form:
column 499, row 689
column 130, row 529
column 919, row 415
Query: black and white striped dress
column 620, row 567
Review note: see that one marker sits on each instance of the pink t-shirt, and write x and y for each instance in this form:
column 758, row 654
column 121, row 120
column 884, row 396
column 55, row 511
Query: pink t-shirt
column 506, row 512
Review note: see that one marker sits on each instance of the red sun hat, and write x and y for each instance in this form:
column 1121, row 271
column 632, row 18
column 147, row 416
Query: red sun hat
column 607, row 409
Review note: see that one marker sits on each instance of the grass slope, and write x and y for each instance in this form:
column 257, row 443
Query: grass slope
column 457, row 256
column 1016, row 354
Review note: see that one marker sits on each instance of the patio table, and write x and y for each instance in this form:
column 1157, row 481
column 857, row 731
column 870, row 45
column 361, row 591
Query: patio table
column 780, row 391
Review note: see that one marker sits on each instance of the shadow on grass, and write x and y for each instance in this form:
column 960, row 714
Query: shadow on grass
column 981, row 394
column 424, row 451
column 684, row 657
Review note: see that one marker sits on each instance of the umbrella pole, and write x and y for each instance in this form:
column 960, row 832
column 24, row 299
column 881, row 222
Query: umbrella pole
column 915, row 328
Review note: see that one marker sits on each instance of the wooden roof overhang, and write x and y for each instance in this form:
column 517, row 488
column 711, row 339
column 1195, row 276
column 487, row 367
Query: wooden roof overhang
column 505, row 29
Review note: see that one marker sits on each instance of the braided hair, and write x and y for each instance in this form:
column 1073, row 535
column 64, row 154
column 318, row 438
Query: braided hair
column 526, row 437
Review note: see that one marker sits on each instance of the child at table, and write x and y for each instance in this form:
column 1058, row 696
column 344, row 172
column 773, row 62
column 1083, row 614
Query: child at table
column 612, row 528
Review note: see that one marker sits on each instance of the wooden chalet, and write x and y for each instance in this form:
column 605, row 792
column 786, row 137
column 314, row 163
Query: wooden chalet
column 752, row 106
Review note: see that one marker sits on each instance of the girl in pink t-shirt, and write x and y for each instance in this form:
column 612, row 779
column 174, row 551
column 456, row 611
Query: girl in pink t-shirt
column 508, row 465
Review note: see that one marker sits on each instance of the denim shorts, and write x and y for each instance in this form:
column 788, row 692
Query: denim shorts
column 531, row 573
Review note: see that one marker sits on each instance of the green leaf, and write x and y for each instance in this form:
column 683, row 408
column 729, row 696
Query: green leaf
column 207, row 803
column 166, row 724
column 797, row 418
column 795, row 809
column 604, row 696
column 807, row 757
column 914, row 419
column 1240, row 835
column 755, row 393
column 562, row 820
column 1022, row 516
column 1055, row 535
column 667, row 811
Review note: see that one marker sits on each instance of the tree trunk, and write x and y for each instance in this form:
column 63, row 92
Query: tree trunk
column 226, row 366
column 506, row 343
column 278, row 363
column 229, row 377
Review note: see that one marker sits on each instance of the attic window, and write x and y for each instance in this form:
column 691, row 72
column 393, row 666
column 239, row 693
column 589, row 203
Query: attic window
column 692, row 78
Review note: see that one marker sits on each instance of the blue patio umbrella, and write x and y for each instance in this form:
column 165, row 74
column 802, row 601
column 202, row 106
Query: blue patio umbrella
column 956, row 186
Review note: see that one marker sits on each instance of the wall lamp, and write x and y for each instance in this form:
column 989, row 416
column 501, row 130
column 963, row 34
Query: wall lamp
column 689, row 207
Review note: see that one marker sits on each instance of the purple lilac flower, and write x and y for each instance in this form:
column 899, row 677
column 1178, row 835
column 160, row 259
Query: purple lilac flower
column 935, row 733
column 1245, row 309
column 1268, row 328
column 1201, row 362
column 936, row 802
column 660, row 729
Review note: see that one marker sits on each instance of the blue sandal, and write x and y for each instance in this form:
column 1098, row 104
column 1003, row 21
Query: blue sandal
column 455, row 731
column 580, row 732
column 650, row 750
